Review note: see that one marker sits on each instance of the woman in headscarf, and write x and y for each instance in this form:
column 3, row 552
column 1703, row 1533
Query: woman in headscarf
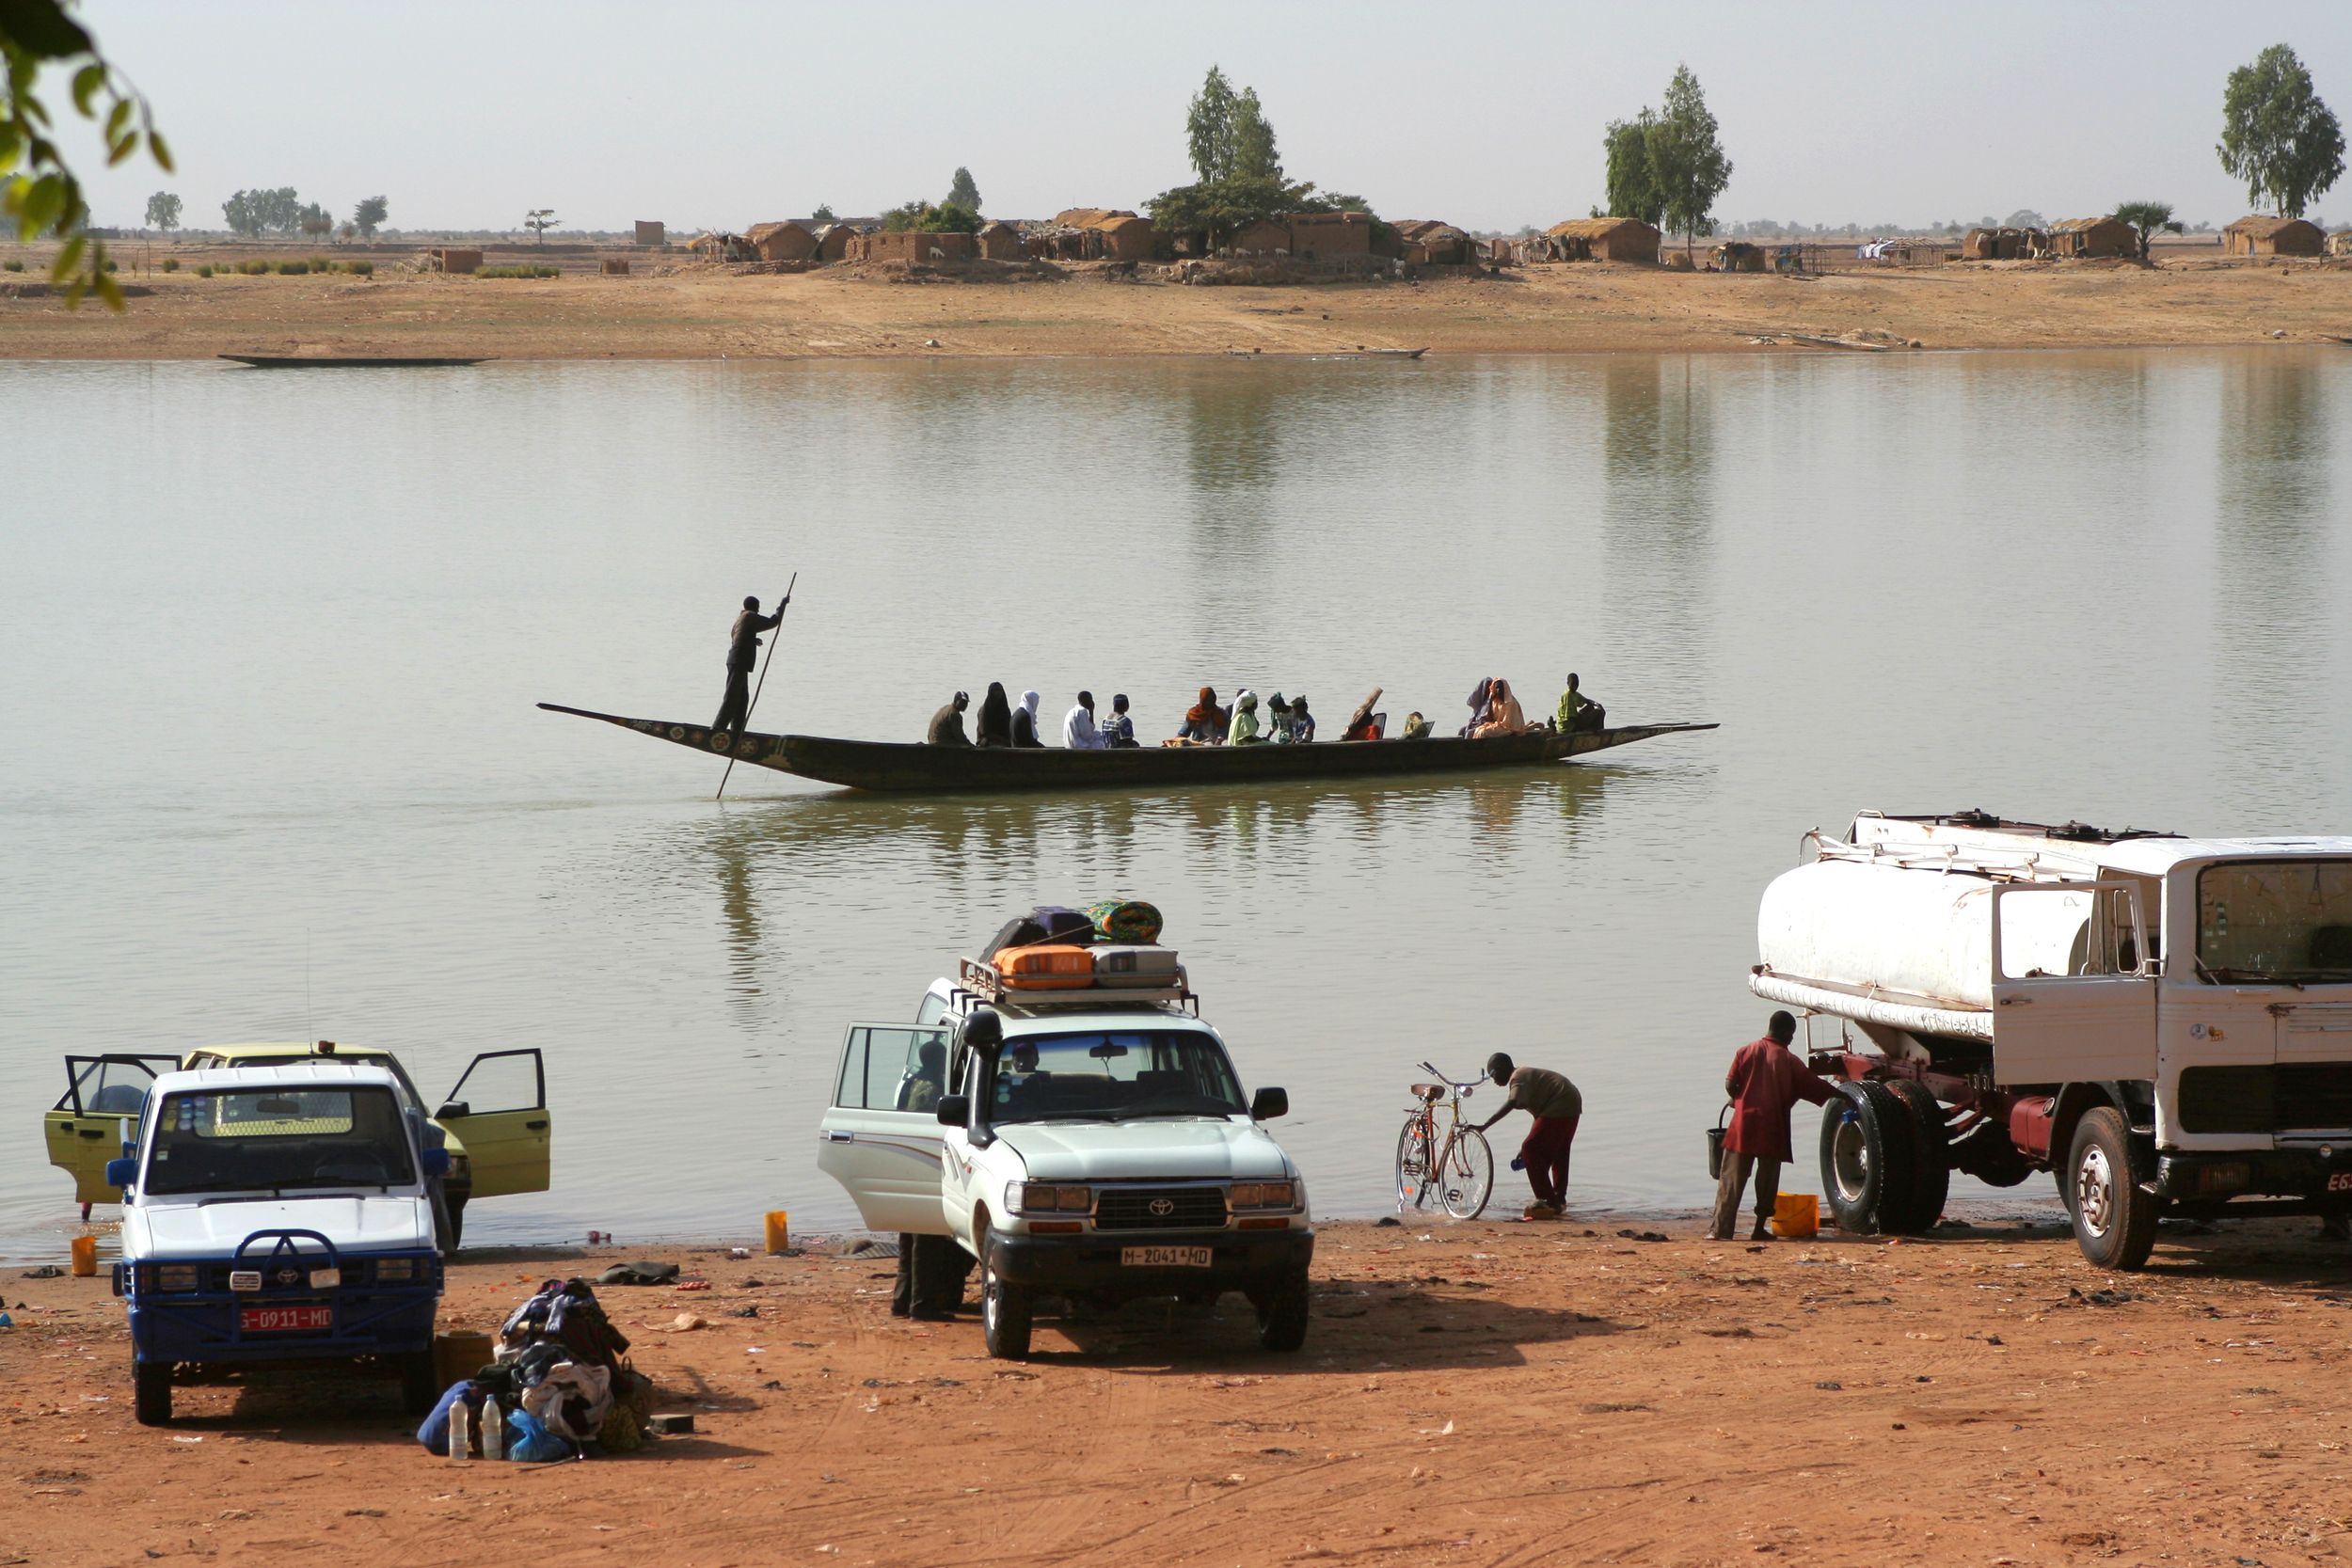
column 1204, row 721
column 1364, row 724
column 995, row 721
column 1278, row 721
column 1503, row 714
column 1479, row 701
column 1024, row 722
column 1244, row 731
column 1302, row 722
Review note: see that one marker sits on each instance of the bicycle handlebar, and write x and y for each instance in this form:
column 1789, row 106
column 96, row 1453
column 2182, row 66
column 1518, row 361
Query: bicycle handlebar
column 1460, row 1088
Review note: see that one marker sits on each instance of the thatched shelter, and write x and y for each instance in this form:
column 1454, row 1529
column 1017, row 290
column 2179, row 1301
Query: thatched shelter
column 1000, row 242
column 2339, row 243
column 2256, row 235
column 781, row 241
column 833, row 241
column 2093, row 237
column 1428, row 241
column 720, row 246
column 1738, row 256
column 1606, row 239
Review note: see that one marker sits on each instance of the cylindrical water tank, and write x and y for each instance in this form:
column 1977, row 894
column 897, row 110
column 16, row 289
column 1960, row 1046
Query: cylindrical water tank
column 1915, row 932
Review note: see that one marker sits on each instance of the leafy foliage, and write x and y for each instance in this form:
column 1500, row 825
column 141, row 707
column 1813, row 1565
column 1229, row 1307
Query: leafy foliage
column 2148, row 217
column 39, row 190
column 316, row 220
column 368, row 215
column 823, row 214
column 963, row 192
column 924, row 217
column 1686, row 157
column 1241, row 180
column 1209, row 128
column 539, row 220
column 520, row 269
column 1632, row 186
column 255, row 213
column 162, row 212
column 2278, row 134
column 1254, row 153
column 2025, row 217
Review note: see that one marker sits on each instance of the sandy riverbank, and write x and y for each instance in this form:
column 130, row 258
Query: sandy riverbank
column 703, row 313
column 1492, row 1393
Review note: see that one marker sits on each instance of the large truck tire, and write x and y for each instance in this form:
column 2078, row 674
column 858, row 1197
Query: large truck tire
column 151, row 1392
column 1867, row 1164
column 1932, row 1162
column 2115, row 1218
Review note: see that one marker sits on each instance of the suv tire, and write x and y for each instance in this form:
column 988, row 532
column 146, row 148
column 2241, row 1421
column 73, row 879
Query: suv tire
column 151, row 1392
column 1281, row 1305
column 1006, row 1310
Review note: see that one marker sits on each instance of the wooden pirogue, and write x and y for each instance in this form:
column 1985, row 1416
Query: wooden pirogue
column 894, row 765
column 347, row 361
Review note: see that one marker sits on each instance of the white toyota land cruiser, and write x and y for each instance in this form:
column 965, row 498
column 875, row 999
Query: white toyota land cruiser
column 1090, row 1142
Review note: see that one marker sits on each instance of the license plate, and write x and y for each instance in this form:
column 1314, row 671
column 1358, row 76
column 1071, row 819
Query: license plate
column 285, row 1320
column 2340, row 1181
column 1168, row 1256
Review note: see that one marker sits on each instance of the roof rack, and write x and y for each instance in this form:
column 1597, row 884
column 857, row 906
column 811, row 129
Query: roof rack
column 984, row 984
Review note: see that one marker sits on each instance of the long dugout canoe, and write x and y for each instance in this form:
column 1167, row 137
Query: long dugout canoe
column 896, row 766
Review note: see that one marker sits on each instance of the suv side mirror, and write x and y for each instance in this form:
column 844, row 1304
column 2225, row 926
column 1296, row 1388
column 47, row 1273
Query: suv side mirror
column 436, row 1163
column 122, row 1172
column 955, row 1110
column 1268, row 1103
column 454, row 1108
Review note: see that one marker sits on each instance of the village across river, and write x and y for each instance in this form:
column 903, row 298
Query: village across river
column 279, row 639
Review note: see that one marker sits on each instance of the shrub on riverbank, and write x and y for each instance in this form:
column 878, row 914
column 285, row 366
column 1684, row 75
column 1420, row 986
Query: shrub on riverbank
column 527, row 269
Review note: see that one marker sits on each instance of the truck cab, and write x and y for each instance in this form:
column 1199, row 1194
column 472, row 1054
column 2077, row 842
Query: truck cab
column 2165, row 1022
column 495, row 1123
column 1090, row 1143
column 278, row 1214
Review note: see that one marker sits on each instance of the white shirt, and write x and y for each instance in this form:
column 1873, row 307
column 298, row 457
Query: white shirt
column 1078, row 732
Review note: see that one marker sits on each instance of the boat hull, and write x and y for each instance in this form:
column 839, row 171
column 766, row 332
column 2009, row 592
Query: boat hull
column 896, row 767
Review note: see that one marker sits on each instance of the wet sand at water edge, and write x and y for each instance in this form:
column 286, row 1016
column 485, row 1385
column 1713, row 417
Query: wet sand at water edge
column 706, row 312
column 1481, row 1393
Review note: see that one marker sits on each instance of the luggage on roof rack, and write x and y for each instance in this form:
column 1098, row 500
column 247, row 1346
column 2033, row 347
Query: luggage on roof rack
column 1070, row 987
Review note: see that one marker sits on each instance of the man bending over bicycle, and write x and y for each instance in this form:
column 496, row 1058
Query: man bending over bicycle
column 1556, row 1104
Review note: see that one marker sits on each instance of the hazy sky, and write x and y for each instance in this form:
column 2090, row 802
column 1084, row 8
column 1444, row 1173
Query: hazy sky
column 1485, row 115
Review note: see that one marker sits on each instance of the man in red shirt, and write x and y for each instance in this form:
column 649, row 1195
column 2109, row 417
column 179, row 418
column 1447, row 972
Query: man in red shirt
column 1764, row 1082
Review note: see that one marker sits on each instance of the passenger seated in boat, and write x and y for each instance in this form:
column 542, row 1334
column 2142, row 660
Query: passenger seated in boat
column 1578, row 712
column 948, row 723
column 1302, row 722
column 1416, row 727
column 1244, row 729
column 1079, row 731
column 1504, row 715
column 1024, row 724
column 1278, row 721
column 1480, row 704
column 1364, row 724
column 1119, row 731
column 996, row 720
column 1204, row 721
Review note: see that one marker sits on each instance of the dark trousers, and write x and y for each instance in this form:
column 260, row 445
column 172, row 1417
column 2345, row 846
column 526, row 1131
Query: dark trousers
column 931, row 1273
column 1734, row 1181
column 1546, row 1156
column 737, row 706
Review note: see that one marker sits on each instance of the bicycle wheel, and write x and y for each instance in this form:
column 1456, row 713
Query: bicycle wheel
column 1412, row 1164
column 1467, row 1179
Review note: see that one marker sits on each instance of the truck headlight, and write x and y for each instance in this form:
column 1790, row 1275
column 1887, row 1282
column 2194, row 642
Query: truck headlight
column 395, row 1268
column 175, row 1276
column 1040, row 1198
column 1266, row 1194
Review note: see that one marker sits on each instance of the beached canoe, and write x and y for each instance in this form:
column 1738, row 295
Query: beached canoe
column 343, row 362
column 892, row 766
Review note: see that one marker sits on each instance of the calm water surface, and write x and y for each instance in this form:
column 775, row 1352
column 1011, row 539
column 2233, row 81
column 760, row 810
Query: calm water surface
column 271, row 768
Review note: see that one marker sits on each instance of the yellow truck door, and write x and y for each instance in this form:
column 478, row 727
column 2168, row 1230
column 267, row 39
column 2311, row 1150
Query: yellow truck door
column 498, row 1112
column 103, row 1099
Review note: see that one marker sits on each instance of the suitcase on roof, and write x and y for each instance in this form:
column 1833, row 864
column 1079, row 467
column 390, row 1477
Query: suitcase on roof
column 1051, row 966
column 1119, row 965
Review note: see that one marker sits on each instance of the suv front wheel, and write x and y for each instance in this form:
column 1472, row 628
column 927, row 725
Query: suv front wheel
column 1006, row 1309
column 1281, row 1305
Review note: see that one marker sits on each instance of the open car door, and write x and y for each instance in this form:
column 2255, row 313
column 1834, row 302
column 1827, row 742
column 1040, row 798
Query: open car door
column 2074, row 989
column 497, row 1117
column 104, row 1097
column 880, row 1138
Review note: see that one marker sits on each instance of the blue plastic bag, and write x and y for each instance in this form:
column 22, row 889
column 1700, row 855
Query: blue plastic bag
column 532, row 1443
column 434, row 1434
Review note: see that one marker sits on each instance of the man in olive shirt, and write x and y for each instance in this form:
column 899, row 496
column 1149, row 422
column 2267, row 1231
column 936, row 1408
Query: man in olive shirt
column 1557, row 1105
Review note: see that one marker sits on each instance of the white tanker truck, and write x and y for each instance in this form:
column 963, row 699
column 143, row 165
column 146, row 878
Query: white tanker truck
column 2166, row 1023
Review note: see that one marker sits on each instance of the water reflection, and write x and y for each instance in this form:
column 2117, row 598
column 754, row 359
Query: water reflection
column 1658, row 449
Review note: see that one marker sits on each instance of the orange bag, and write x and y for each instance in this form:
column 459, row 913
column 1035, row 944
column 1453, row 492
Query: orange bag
column 1051, row 966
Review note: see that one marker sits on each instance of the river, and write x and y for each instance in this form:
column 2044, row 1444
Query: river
column 272, row 769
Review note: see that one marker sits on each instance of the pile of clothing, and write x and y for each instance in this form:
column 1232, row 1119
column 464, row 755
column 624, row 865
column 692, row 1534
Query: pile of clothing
column 561, row 1381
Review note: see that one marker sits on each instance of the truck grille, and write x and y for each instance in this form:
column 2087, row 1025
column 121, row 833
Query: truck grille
column 1159, row 1209
column 2266, row 1099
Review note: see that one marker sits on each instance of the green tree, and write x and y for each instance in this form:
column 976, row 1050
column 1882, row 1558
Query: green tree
column 162, row 212
column 1685, row 158
column 40, row 193
column 315, row 221
column 823, row 214
column 1632, row 185
column 924, row 217
column 2277, row 135
column 1209, row 128
column 368, row 215
column 539, row 220
column 963, row 192
column 2148, row 217
column 1254, row 153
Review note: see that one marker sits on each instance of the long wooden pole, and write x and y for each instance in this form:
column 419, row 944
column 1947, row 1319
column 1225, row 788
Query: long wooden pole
column 765, row 665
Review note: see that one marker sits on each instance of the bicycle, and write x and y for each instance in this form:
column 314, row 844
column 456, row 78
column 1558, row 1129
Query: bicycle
column 1454, row 1161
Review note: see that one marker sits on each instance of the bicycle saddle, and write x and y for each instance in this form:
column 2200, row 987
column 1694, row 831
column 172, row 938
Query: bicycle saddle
column 1430, row 1092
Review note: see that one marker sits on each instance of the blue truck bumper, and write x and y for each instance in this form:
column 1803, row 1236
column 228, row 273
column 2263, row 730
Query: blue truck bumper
column 364, row 1313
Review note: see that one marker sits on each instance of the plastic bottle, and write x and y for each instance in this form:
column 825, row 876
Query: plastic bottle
column 493, row 1431
column 460, row 1433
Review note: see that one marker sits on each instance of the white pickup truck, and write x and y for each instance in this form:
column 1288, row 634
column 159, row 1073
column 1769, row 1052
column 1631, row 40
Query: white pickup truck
column 280, row 1213
column 1092, row 1144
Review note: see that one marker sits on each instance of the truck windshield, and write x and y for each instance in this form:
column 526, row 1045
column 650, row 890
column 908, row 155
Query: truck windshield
column 270, row 1139
column 1113, row 1076
column 2276, row 920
